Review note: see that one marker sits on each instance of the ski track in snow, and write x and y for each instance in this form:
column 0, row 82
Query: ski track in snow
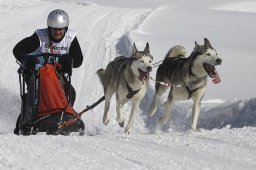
column 138, row 151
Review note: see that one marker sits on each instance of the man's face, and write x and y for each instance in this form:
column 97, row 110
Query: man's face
column 57, row 33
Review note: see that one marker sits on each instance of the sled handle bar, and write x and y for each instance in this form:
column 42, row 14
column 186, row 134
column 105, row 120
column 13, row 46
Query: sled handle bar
column 46, row 56
column 43, row 54
column 42, row 59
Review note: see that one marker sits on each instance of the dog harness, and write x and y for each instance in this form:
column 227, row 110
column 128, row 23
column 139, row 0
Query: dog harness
column 174, row 64
column 131, row 93
column 124, row 61
column 190, row 92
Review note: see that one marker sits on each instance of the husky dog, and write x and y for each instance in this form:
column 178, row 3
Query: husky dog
column 190, row 74
column 127, row 77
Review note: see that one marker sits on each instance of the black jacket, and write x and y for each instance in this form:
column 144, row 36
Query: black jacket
column 30, row 44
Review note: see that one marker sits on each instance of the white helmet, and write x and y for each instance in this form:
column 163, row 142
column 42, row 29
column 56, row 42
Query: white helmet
column 58, row 19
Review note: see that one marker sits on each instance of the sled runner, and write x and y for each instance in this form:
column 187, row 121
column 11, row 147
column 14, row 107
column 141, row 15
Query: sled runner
column 46, row 95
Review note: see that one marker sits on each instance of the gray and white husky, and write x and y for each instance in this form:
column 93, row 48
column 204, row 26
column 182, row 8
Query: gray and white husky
column 127, row 77
column 188, row 72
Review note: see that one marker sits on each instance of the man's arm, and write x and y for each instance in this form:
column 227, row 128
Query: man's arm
column 76, row 53
column 26, row 46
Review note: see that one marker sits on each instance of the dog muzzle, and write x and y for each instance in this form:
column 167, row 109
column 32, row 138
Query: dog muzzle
column 144, row 75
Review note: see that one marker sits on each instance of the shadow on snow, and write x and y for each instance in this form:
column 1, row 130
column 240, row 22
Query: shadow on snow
column 235, row 114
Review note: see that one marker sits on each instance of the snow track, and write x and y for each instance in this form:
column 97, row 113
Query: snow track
column 119, row 151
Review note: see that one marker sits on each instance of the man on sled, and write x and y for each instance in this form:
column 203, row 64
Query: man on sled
column 46, row 60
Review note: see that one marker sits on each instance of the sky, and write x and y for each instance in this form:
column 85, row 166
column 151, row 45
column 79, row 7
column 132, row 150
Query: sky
column 106, row 29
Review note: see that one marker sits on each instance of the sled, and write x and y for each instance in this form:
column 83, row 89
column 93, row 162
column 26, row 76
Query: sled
column 46, row 98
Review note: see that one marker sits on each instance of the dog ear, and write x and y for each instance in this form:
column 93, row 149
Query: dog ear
column 146, row 50
column 196, row 46
column 134, row 50
column 207, row 43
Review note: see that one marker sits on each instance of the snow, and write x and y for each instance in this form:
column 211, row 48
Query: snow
column 106, row 29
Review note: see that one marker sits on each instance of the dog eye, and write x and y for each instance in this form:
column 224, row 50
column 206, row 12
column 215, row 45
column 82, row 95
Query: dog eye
column 150, row 61
column 142, row 61
column 208, row 54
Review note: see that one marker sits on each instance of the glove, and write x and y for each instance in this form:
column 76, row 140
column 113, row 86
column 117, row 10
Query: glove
column 30, row 61
column 66, row 62
column 65, row 58
column 21, row 58
column 27, row 63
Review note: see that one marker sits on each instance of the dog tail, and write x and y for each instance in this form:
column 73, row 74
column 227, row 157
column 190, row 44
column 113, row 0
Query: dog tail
column 176, row 51
column 101, row 73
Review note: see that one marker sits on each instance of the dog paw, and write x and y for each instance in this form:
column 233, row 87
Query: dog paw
column 121, row 124
column 162, row 120
column 128, row 131
column 106, row 122
column 151, row 113
column 197, row 130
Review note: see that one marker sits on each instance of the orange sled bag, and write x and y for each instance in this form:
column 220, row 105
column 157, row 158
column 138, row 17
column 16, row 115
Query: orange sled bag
column 53, row 106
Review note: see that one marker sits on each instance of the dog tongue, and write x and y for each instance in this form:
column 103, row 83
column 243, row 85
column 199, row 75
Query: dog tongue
column 216, row 78
column 142, row 76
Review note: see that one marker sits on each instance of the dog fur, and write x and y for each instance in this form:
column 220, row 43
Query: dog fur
column 190, row 73
column 127, row 77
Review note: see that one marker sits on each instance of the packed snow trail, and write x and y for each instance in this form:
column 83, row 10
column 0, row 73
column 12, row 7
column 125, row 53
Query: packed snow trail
column 217, row 149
